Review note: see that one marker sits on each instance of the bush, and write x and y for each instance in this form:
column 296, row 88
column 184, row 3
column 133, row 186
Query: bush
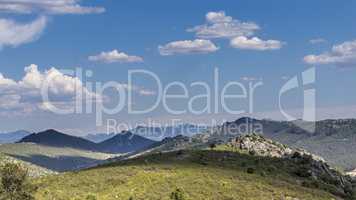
column 250, row 170
column 178, row 194
column 252, row 152
column 212, row 146
column 15, row 184
column 302, row 171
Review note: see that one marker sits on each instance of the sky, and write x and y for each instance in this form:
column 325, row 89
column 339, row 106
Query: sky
column 250, row 42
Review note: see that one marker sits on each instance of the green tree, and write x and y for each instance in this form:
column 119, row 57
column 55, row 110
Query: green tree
column 15, row 184
column 178, row 194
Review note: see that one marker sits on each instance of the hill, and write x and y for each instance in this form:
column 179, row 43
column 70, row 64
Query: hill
column 12, row 137
column 57, row 159
column 125, row 142
column 331, row 139
column 33, row 170
column 224, row 173
column 54, row 138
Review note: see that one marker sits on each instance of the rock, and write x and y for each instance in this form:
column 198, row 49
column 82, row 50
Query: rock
column 306, row 165
column 352, row 173
column 260, row 146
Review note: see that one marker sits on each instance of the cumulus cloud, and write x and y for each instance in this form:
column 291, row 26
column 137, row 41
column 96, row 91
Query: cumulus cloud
column 14, row 34
column 219, row 25
column 47, row 7
column 188, row 47
column 52, row 88
column 342, row 54
column 31, row 91
column 255, row 43
column 241, row 34
column 317, row 41
column 115, row 56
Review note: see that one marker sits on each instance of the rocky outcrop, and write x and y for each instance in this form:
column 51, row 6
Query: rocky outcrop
column 352, row 173
column 258, row 145
column 301, row 163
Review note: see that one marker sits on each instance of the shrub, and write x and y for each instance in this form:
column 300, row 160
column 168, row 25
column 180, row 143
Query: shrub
column 252, row 152
column 15, row 184
column 250, row 170
column 178, row 194
column 310, row 184
column 212, row 146
column 303, row 172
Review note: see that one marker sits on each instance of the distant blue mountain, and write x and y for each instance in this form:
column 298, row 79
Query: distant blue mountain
column 121, row 143
column 160, row 133
column 125, row 142
column 12, row 137
column 100, row 137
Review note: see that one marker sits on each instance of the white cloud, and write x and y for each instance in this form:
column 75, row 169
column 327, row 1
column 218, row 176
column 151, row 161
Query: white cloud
column 26, row 94
column 115, row 56
column 342, row 54
column 317, row 41
column 9, row 101
column 29, row 94
column 5, row 81
column 255, row 43
column 47, row 7
column 188, row 47
column 218, row 25
column 14, row 34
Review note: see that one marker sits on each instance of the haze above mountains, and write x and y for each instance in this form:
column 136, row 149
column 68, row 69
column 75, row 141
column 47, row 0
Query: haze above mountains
column 11, row 137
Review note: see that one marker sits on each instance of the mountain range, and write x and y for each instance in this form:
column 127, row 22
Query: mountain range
column 154, row 133
column 121, row 143
column 160, row 133
column 333, row 139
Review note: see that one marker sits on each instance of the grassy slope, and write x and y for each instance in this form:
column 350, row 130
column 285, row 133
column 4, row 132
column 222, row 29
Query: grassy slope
column 201, row 175
column 57, row 159
column 33, row 170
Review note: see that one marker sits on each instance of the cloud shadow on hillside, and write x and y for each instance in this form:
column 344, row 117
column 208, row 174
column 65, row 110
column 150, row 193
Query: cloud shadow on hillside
column 60, row 163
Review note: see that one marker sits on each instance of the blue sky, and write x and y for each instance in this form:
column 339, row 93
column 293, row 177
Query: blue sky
column 68, row 38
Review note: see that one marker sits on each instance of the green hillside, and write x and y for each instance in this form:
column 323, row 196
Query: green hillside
column 33, row 170
column 199, row 174
column 54, row 158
